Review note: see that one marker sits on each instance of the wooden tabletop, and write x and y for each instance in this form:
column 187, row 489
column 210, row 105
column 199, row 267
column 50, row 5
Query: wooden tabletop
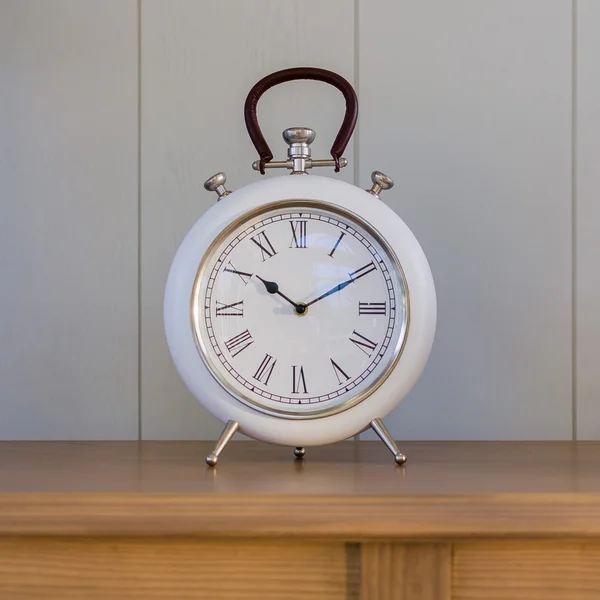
column 351, row 490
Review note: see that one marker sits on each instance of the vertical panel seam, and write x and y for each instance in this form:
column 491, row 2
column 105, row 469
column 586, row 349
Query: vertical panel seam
column 356, row 86
column 353, row 552
column 139, row 202
column 451, row 567
column 574, row 222
column 356, row 130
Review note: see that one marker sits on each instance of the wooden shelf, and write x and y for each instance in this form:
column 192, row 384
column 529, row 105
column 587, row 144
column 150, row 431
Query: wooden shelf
column 449, row 513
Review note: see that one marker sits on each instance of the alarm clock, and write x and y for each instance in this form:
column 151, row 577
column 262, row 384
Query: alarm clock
column 300, row 310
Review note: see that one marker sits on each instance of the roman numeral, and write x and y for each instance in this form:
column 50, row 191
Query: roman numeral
column 339, row 372
column 238, row 343
column 362, row 343
column 230, row 310
column 263, row 373
column 337, row 244
column 363, row 271
column 266, row 248
column 298, row 381
column 372, row 308
column 298, row 234
column 245, row 277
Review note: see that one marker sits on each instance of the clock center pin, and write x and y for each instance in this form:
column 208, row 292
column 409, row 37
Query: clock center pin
column 301, row 309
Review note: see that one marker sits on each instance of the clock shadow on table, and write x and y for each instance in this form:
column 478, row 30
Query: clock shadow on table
column 341, row 468
column 253, row 468
column 368, row 468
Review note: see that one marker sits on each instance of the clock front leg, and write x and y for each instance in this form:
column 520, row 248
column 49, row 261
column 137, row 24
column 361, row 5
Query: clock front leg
column 384, row 435
column 229, row 431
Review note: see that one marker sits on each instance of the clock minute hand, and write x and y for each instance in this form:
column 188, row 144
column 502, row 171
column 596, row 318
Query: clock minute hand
column 273, row 288
column 333, row 290
column 353, row 277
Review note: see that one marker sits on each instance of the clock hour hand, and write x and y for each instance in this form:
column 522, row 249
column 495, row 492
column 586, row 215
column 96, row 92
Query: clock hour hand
column 273, row 288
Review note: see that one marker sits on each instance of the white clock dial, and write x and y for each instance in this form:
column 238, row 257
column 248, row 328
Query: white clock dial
column 300, row 310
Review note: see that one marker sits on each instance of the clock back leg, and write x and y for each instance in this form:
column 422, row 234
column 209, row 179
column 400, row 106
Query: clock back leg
column 384, row 435
column 229, row 431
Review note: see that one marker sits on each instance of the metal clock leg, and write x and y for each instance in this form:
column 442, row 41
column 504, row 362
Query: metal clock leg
column 299, row 452
column 381, row 430
column 228, row 433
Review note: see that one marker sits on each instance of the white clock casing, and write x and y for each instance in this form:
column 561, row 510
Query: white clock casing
column 210, row 389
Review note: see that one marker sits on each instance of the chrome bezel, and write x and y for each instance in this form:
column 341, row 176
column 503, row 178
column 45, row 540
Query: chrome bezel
column 200, row 282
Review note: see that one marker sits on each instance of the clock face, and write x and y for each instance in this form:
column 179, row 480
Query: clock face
column 300, row 309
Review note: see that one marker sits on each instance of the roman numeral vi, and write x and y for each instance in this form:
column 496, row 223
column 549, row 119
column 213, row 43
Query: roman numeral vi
column 298, row 381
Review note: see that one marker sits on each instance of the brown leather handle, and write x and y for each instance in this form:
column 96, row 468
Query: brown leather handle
column 348, row 124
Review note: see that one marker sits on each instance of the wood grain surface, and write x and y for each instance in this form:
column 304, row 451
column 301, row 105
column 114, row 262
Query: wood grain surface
column 350, row 469
column 407, row 571
column 150, row 520
column 527, row 571
column 99, row 569
column 350, row 491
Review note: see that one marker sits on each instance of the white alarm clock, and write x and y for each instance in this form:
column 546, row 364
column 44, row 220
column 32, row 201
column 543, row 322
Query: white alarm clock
column 300, row 310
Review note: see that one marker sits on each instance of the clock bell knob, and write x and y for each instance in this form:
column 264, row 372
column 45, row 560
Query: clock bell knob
column 216, row 183
column 381, row 182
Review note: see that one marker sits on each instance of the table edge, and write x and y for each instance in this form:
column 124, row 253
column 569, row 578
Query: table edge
column 315, row 516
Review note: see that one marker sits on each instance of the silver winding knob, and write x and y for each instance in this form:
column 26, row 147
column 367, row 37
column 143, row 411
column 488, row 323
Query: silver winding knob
column 299, row 135
column 299, row 158
column 381, row 182
column 216, row 183
column 299, row 140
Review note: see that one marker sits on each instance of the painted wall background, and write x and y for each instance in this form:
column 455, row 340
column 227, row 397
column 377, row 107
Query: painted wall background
column 112, row 115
